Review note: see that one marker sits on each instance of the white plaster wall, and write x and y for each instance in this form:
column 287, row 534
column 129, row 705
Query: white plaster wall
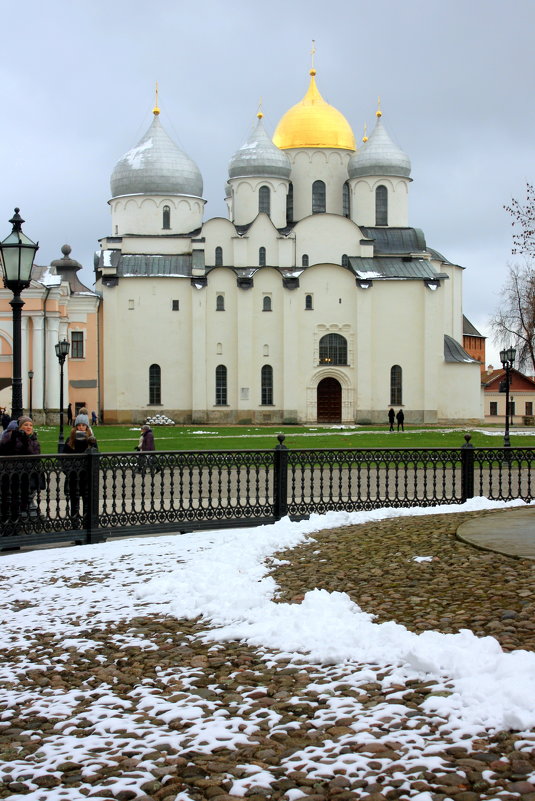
column 322, row 164
column 362, row 204
column 143, row 214
column 460, row 393
column 326, row 238
column 245, row 194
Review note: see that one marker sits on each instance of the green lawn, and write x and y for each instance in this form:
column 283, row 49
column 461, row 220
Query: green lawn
column 194, row 438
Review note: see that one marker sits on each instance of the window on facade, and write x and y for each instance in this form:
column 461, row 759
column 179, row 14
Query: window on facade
column 494, row 408
column 381, row 205
column 266, row 380
column 220, row 385
column 262, row 257
column 308, row 302
column 529, row 408
column 175, row 305
column 345, row 200
column 290, row 204
column 155, row 385
column 220, row 303
column 219, row 257
column 396, row 394
column 77, row 344
column 304, row 260
column 333, row 349
column 166, row 217
column 345, row 260
column 318, row 197
column 266, row 303
column 512, row 408
column 264, row 199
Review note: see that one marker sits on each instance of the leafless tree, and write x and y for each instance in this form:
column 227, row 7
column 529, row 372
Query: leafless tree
column 514, row 322
column 523, row 222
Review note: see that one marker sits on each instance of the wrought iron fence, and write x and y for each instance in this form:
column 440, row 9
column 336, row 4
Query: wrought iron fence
column 91, row 497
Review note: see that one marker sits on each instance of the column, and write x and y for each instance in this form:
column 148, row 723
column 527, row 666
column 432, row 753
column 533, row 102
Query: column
column 38, row 362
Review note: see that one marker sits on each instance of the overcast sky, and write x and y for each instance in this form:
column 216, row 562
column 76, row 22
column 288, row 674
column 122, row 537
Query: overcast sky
column 455, row 78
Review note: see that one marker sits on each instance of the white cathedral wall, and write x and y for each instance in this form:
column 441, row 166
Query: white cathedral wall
column 362, row 203
column 142, row 214
column 245, row 199
column 326, row 238
column 460, row 393
column 309, row 165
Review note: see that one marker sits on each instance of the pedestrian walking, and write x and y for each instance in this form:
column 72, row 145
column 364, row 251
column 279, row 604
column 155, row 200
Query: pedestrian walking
column 391, row 418
column 69, row 414
column 94, row 418
column 400, row 417
column 145, row 445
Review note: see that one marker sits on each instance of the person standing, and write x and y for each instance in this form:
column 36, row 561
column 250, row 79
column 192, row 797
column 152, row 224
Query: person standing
column 17, row 488
column 80, row 440
column 391, row 418
column 146, row 439
column 6, row 419
column 400, row 417
column 69, row 414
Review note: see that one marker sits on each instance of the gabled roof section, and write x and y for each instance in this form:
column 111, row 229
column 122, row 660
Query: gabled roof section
column 384, row 267
column 453, row 352
column 491, row 381
column 395, row 240
column 470, row 330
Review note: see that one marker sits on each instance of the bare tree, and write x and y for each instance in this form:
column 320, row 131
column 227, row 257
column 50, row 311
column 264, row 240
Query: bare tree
column 524, row 222
column 514, row 322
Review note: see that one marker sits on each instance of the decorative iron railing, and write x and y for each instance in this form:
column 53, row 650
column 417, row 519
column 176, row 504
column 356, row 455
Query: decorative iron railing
column 91, row 497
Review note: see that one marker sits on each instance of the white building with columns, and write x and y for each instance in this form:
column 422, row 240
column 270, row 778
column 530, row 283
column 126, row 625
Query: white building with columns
column 314, row 301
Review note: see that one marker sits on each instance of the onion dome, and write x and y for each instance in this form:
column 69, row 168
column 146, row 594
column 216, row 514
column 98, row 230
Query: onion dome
column 156, row 166
column 314, row 123
column 379, row 156
column 259, row 157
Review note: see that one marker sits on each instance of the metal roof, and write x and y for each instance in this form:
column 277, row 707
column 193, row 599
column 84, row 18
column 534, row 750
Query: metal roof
column 391, row 267
column 260, row 157
column 453, row 352
column 395, row 240
column 141, row 264
column 470, row 330
column 379, row 156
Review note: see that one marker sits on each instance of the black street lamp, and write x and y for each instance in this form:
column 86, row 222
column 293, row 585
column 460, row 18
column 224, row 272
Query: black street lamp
column 507, row 358
column 62, row 351
column 30, row 379
column 17, row 253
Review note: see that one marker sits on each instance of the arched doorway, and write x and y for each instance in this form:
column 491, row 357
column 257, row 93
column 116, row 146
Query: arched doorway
column 329, row 400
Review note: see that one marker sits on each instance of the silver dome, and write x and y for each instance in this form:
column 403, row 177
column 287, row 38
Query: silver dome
column 379, row 156
column 156, row 166
column 259, row 156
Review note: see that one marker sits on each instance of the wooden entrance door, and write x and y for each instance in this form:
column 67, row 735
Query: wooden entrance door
column 329, row 400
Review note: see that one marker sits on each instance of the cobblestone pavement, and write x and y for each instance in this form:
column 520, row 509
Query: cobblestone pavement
column 283, row 732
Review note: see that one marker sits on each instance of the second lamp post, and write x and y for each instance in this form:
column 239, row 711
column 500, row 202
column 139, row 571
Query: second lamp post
column 62, row 351
column 507, row 358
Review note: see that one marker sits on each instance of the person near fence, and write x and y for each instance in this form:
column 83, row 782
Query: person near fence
column 19, row 488
column 6, row 419
column 81, row 440
column 69, row 415
column 146, row 446
column 391, row 418
column 400, row 417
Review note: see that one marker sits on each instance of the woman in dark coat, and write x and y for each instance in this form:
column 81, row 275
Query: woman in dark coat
column 80, row 440
column 17, row 486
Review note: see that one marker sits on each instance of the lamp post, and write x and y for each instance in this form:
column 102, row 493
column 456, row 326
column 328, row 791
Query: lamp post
column 507, row 358
column 62, row 351
column 17, row 253
column 30, row 379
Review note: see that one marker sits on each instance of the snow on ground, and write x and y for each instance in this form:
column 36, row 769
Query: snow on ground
column 223, row 576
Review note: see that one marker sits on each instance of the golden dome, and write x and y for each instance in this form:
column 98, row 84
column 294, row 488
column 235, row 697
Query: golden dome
column 314, row 123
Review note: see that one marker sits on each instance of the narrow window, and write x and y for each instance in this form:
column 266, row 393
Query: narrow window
column 155, row 385
column 77, row 344
column 262, row 257
column 220, row 385
column 266, row 382
column 220, row 303
column 264, row 199
column 218, row 257
column 266, row 303
column 175, row 305
column 308, row 302
column 529, row 408
column 131, row 304
column 396, row 394
column 290, row 205
column 304, row 260
column 494, row 408
column 333, row 349
column 166, row 217
column 381, row 205
column 318, row 197
column 345, row 260
column 345, row 200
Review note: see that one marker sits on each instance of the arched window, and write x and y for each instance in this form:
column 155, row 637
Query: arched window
column 220, row 303
column 345, row 200
column 220, row 385
column 333, row 349
column 155, row 385
column 262, row 257
column 166, row 217
column 381, row 205
column 266, row 383
column 345, row 260
column 304, row 260
column 264, row 199
column 266, row 303
column 318, row 197
column 308, row 302
column 290, row 205
column 218, row 256
column 396, row 394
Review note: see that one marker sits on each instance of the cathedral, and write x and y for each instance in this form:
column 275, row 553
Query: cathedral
column 314, row 301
